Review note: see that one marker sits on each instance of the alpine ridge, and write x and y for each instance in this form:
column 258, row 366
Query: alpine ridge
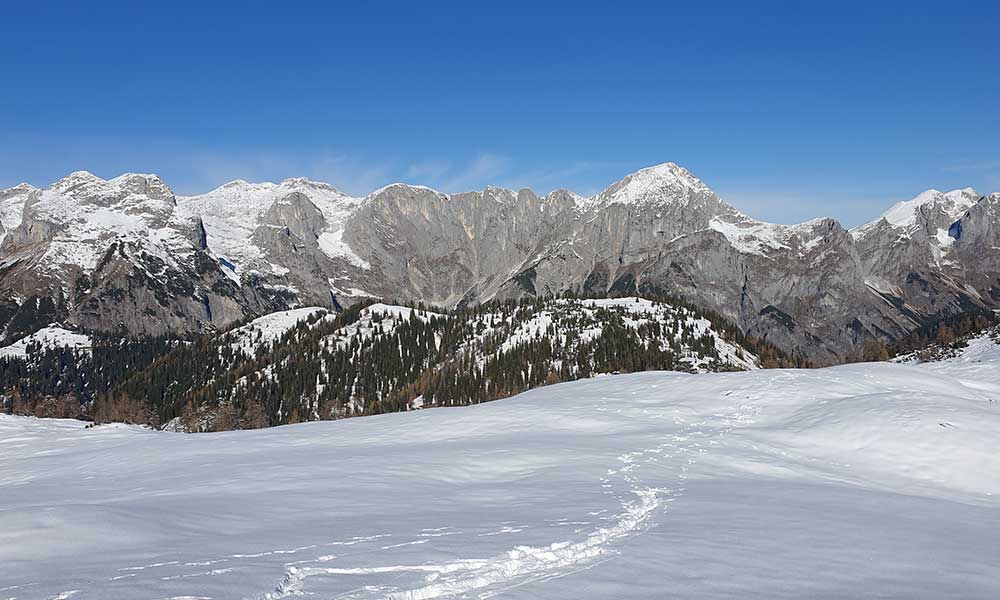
column 128, row 256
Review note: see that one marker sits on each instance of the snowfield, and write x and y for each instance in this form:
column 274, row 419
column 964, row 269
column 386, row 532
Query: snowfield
column 876, row 480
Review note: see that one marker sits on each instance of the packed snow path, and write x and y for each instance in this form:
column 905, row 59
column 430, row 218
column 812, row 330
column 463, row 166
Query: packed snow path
column 868, row 480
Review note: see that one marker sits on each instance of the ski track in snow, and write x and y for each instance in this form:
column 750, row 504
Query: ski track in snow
column 639, row 503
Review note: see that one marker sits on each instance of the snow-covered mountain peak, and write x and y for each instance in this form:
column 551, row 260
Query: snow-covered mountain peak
column 20, row 188
column 666, row 182
column 299, row 182
column 71, row 223
column 501, row 191
column 75, row 180
column 80, row 175
column 232, row 188
column 929, row 204
column 406, row 189
column 239, row 215
column 751, row 236
column 668, row 175
column 565, row 193
column 85, row 187
column 243, row 190
column 143, row 185
column 667, row 169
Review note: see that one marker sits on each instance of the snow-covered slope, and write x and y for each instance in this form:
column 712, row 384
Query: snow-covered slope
column 52, row 336
column 269, row 328
column 570, row 322
column 377, row 319
column 872, row 480
column 235, row 212
column 931, row 206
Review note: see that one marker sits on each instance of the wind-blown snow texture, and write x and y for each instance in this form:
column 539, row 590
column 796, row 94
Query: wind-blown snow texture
column 875, row 480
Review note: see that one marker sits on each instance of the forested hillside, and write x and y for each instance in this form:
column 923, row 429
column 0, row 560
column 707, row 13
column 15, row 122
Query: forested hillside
column 313, row 364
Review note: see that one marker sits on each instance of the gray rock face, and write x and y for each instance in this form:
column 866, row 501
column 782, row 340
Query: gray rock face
column 976, row 249
column 119, row 252
column 451, row 249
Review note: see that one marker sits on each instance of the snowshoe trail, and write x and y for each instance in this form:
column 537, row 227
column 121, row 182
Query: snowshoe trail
column 642, row 481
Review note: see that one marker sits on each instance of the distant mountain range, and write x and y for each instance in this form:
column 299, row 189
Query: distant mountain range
column 128, row 256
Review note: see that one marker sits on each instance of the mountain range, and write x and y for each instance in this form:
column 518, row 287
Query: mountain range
column 127, row 256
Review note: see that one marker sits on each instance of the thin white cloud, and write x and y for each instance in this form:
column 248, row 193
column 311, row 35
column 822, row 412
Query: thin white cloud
column 428, row 170
column 483, row 170
column 578, row 177
column 975, row 166
column 192, row 169
column 988, row 170
column 350, row 175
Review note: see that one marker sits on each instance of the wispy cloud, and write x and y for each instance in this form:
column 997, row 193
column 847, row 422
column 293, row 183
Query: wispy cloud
column 187, row 169
column 190, row 169
column 495, row 169
column 481, row 171
column 578, row 177
column 428, row 170
column 349, row 174
column 989, row 170
column 975, row 166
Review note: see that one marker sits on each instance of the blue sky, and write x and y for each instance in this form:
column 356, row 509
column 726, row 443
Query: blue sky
column 789, row 110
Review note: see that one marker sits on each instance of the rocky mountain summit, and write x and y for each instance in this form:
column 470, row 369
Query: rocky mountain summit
column 937, row 252
column 126, row 255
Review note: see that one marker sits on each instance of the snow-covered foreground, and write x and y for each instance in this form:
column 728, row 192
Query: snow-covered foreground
column 876, row 480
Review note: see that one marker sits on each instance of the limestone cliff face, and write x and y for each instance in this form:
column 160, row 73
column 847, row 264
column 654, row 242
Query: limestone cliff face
column 126, row 254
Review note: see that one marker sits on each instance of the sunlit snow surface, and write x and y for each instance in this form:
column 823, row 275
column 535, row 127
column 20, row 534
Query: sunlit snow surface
column 877, row 480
